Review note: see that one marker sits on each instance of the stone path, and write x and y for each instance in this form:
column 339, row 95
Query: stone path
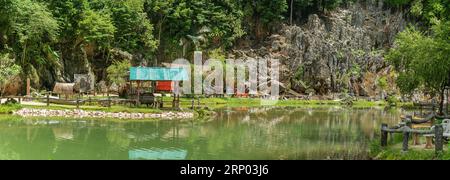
column 26, row 112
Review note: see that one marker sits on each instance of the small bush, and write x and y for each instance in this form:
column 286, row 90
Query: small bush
column 392, row 100
column 9, row 108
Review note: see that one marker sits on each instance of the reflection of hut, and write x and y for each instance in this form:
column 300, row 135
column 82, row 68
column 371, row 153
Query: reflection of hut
column 157, row 154
column 66, row 89
column 63, row 133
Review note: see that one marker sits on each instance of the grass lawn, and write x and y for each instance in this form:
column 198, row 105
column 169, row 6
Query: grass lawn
column 211, row 103
column 255, row 102
column 9, row 109
column 394, row 152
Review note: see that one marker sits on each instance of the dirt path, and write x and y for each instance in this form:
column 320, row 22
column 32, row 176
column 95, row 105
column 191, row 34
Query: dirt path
column 29, row 103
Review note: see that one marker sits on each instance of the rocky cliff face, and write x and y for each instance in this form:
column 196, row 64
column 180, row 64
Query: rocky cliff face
column 341, row 51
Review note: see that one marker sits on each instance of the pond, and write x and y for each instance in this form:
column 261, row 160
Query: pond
column 235, row 134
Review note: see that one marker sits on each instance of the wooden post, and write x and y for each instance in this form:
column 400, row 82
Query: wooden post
column 405, row 141
column 138, row 93
column 193, row 103
column 131, row 88
column 178, row 101
column 109, row 105
column 48, row 98
column 173, row 101
column 78, row 101
column 109, row 101
column 384, row 135
column 439, row 132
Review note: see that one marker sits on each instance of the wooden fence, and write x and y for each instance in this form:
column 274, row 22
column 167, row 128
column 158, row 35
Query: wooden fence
column 406, row 130
column 159, row 102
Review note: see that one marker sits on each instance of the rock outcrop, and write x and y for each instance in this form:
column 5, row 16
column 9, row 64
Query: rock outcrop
column 340, row 51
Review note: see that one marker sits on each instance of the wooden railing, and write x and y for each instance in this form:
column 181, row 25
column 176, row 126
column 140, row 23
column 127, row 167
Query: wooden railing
column 78, row 101
column 406, row 130
column 159, row 102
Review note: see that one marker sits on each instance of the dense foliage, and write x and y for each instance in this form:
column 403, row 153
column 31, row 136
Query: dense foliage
column 422, row 57
column 9, row 70
column 117, row 72
column 53, row 39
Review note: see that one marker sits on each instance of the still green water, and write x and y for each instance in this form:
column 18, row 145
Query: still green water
column 245, row 133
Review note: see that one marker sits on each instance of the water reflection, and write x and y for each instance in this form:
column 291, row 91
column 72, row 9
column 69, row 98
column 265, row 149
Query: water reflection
column 255, row 133
column 157, row 154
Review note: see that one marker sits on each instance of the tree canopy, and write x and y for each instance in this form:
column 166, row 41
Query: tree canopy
column 53, row 39
column 422, row 57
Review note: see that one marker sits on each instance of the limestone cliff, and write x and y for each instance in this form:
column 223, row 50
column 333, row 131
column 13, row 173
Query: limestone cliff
column 339, row 51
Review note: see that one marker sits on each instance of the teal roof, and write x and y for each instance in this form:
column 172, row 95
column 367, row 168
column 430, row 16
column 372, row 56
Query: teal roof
column 158, row 74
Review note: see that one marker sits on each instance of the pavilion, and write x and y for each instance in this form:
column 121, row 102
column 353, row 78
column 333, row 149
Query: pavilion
column 164, row 78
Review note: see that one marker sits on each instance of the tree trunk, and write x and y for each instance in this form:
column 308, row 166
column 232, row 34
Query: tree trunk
column 292, row 11
column 159, row 37
column 24, row 53
column 441, row 104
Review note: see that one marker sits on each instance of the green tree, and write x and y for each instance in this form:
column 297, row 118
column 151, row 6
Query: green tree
column 220, row 23
column 431, row 11
column 134, row 30
column 423, row 61
column 118, row 72
column 423, row 57
column 28, row 32
column 263, row 13
column 97, row 27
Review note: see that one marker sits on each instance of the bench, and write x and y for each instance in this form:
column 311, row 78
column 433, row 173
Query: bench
column 429, row 137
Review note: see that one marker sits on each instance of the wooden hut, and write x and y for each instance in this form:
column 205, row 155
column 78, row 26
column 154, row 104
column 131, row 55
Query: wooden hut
column 66, row 89
column 164, row 78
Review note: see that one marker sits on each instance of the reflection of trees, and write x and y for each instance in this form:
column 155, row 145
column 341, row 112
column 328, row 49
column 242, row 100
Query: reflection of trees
column 118, row 138
column 297, row 132
column 6, row 153
column 17, row 141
